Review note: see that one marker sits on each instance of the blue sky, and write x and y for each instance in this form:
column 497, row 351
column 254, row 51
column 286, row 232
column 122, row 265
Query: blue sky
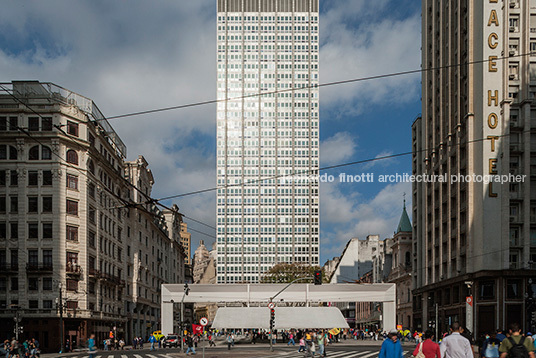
column 138, row 55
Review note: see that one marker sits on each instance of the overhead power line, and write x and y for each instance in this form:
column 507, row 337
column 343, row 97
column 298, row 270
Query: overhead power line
column 326, row 84
column 126, row 203
column 312, row 171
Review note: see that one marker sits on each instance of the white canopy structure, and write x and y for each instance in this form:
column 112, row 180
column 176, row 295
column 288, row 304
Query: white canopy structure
column 285, row 317
column 260, row 294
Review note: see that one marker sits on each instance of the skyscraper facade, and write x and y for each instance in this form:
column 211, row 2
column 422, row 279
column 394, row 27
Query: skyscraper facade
column 267, row 130
column 474, row 238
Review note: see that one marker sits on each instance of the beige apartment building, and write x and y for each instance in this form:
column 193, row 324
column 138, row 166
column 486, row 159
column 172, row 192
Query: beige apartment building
column 73, row 235
column 472, row 238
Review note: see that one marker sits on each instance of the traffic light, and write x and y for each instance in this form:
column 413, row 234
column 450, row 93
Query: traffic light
column 272, row 318
column 318, row 277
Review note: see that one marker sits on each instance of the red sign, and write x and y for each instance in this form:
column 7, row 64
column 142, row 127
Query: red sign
column 197, row 328
column 469, row 300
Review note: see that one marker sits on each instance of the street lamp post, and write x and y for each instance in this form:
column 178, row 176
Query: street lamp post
column 186, row 291
column 271, row 300
column 60, row 307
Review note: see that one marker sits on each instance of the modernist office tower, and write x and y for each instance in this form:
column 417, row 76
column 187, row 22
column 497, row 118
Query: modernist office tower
column 266, row 46
column 472, row 238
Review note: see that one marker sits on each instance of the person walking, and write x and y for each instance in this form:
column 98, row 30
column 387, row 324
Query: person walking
column 490, row 347
column 428, row 347
column 321, row 341
column 302, row 345
column 391, row 347
column 516, row 345
column 190, row 344
column 229, row 341
column 211, row 341
column 91, row 346
column 455, row 345
column 152, row 340
column 291, row 339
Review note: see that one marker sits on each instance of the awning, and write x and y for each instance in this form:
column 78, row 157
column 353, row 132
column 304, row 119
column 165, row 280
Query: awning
column 285, row 317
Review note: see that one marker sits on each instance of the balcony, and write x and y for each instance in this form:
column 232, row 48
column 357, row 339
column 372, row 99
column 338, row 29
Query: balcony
column 39, row 267
column 93, row 272
column 110, row 278
column 7, row 268
column 73, row 269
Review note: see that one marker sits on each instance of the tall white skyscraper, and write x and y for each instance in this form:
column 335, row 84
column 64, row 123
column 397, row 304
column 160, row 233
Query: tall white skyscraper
column 266, row 46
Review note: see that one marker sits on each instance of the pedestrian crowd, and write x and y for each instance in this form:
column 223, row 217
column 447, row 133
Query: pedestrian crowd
column 29, row 348
column 458, row 343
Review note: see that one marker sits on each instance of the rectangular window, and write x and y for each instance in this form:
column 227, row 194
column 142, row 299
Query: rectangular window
column 32, row 204
column 47, row 304
column 72, row 207
column 91, row 239
column 33, row 124
column 47, row 177
column 46, row 124
column 32, row 178
column 13, row 178
column 72, row 233
column 487, row 290
column 72, row 182
column 33, row 230
column 14, row 283
column 33, row 257
column 47, row 204
column 3, row 230
column 71, row 305
column 91, row 190
column 14, row 204
column 13, row 123
column 91, row 215
column 72, row 128
column 2, row 204
column 3, row 284
column 33, row 304
column 47, row 230
column 72, row 285
column 3, row 123
column 14, row 230
column 513, row 289
column 47, row 283
column 3, row 177
column 33, row 284
column 47, row 258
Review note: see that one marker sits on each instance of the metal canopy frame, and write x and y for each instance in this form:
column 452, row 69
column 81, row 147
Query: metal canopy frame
column 260, row 293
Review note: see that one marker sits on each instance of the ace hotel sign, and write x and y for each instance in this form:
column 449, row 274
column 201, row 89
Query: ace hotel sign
column 492, row 81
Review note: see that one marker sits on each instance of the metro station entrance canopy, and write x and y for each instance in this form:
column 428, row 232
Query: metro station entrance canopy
column 260, row 294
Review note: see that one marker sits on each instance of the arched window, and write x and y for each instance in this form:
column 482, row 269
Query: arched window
column 46, row 153
column 91, row 167
column 408, row 259
column 72, row 157
column 33, row 154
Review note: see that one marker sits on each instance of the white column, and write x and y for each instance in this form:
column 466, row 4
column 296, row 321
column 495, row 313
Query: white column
column 389, row 315
column 167, row 318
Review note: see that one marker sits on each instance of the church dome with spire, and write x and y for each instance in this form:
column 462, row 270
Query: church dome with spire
column 405, row 224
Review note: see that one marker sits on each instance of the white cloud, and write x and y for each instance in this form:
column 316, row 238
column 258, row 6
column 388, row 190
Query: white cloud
column 348, row 216
column 357, row 44
column 337, row 148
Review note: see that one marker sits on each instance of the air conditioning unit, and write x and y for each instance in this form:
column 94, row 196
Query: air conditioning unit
column 512, row 76
column 512, row 218
column 513, row 3
column 514, row 148
column 512, row 52
column 512, row 28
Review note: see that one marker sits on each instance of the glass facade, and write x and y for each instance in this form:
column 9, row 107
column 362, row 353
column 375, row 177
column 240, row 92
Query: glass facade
column 267, row 130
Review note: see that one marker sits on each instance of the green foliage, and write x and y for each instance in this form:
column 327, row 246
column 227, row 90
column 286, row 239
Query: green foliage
column 285, row 273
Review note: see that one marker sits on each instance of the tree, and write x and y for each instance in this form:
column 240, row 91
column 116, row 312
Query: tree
column 285, row 273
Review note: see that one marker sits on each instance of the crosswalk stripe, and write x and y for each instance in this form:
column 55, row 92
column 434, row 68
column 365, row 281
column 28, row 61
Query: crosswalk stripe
column 137, row 356
column 123, row 356
column 369, row 355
